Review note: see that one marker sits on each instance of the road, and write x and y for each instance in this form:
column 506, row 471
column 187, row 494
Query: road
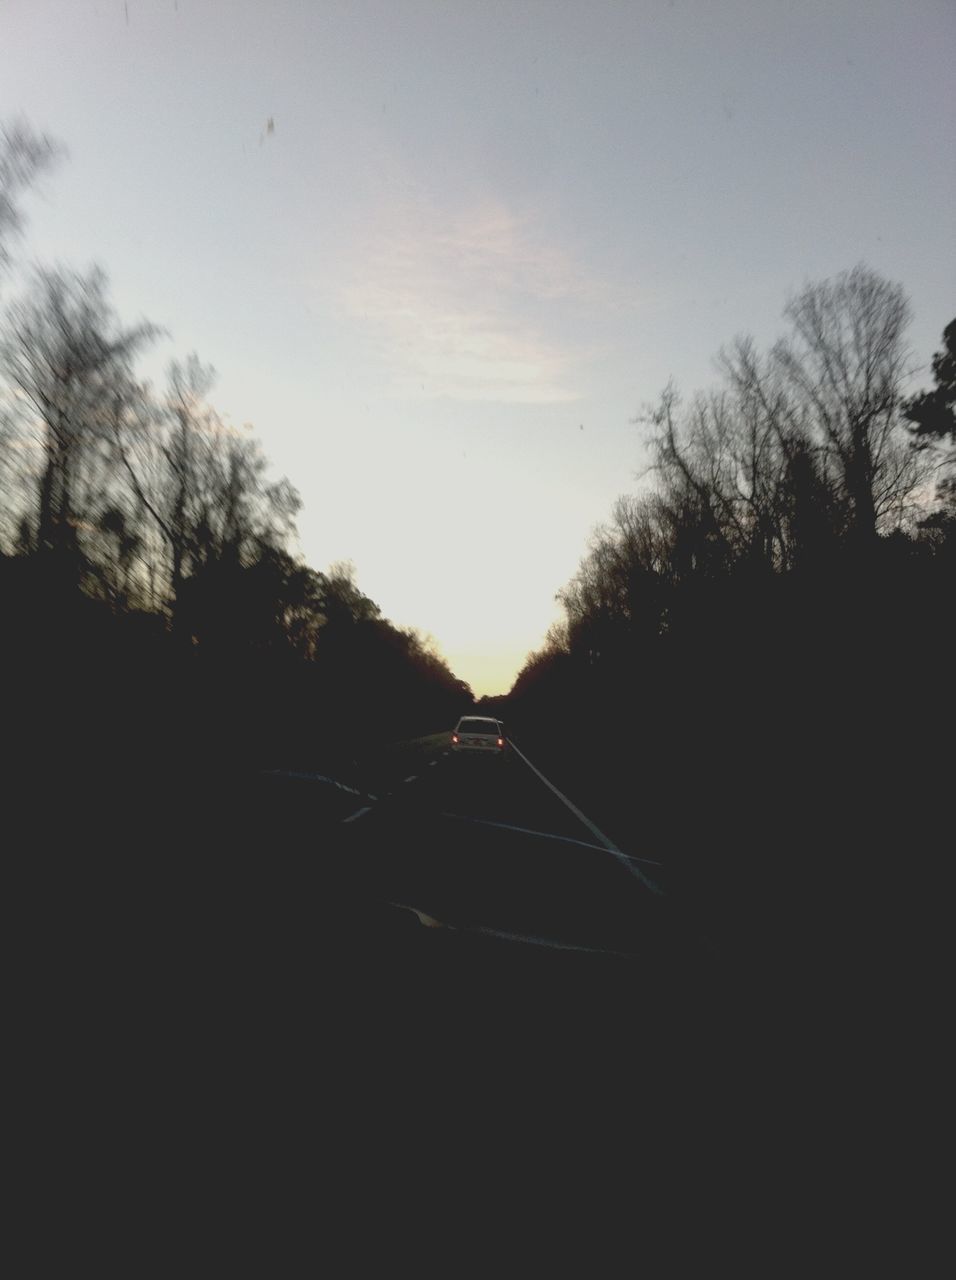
column 431, row 920
column 487, row 846
column 292, row 904
column 281, row 926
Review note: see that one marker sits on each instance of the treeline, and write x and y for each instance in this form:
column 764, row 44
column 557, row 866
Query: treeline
column 757, row 651
column 805, row 475
column 153, row 600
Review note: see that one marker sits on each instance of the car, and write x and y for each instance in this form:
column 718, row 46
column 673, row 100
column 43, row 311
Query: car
column 478, row 734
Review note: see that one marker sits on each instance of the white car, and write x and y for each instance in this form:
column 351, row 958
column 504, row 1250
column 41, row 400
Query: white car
column 479, row 733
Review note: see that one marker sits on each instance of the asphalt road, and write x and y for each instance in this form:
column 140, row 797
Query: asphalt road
column 255, row 945
column 483, row 846
column 278, row 917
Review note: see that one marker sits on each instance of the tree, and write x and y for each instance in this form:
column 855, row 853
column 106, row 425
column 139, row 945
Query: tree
column 933, row 413
column 933, row 418
column 24, row 154
column 845, row 365
column 188, row 384
column 197, row 492
column 215, row 503
column 69, row 359
column 123, row 545
column 800, row 454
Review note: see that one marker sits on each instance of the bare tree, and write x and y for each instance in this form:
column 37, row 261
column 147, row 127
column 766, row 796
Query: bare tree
column 240, row 511
column 798, row 452
column 188, row 384
column 795, row 494
column 24, row 154
column 68, row 358
column 846, row 365
column 695, row 475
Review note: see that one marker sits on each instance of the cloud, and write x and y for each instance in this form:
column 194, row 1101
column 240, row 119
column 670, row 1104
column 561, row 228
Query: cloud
column 462, row 309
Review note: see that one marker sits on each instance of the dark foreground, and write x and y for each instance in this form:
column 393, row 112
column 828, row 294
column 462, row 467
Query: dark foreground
column 244, row 914
column 224, row 995
column 257, row 916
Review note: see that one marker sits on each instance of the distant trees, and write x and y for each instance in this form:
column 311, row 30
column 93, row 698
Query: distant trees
column 785, row 505
column 146, row 501
column 147, row 555
column 380, row 674
column 801, row 448
column 152, row 503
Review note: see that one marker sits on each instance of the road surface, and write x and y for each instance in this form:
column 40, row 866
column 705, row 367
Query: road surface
column 484, row 845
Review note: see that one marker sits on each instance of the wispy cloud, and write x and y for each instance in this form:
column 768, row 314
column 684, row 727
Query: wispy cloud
column 462, row 309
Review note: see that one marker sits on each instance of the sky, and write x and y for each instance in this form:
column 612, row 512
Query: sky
column 443, row 254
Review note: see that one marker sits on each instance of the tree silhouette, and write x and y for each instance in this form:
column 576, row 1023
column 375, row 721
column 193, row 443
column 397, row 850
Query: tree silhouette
column 933, row 418
column 67, row 357
column 24, row 154
column 933, row 413
column 845, row 363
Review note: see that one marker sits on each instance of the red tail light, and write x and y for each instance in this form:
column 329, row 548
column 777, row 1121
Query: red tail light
column 501, row 742
column 454, row 737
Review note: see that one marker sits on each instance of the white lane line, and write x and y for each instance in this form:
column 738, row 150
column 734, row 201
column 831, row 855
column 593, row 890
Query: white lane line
column 432, row 763
column 552, row 944
column 549, row 835
column 530, row 939
column 423, row 918
column 312, row 777
column 412, row 778
column 595, row 831
column 357, row 814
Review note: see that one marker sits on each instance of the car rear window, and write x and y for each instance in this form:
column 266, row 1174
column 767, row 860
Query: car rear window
column 478, row 726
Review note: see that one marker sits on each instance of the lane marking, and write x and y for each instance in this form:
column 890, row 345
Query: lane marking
column 506, row 935
column 548, row 835
column 599, row 835
column 313, row 777
column 412, row 778
column 432, row 763
column 423, row 918
column 357, row 814
column 551, row 944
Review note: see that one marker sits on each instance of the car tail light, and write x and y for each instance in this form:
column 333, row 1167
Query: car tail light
column 454, row 737
column 501, row 742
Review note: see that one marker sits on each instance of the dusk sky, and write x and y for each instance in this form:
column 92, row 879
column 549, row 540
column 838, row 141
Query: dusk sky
column 441, row 254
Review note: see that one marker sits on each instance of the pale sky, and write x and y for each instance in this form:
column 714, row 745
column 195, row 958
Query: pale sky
column 478, row 238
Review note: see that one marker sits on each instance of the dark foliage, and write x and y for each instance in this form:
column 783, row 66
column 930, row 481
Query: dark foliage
column 932, row 415
column 156, row 620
